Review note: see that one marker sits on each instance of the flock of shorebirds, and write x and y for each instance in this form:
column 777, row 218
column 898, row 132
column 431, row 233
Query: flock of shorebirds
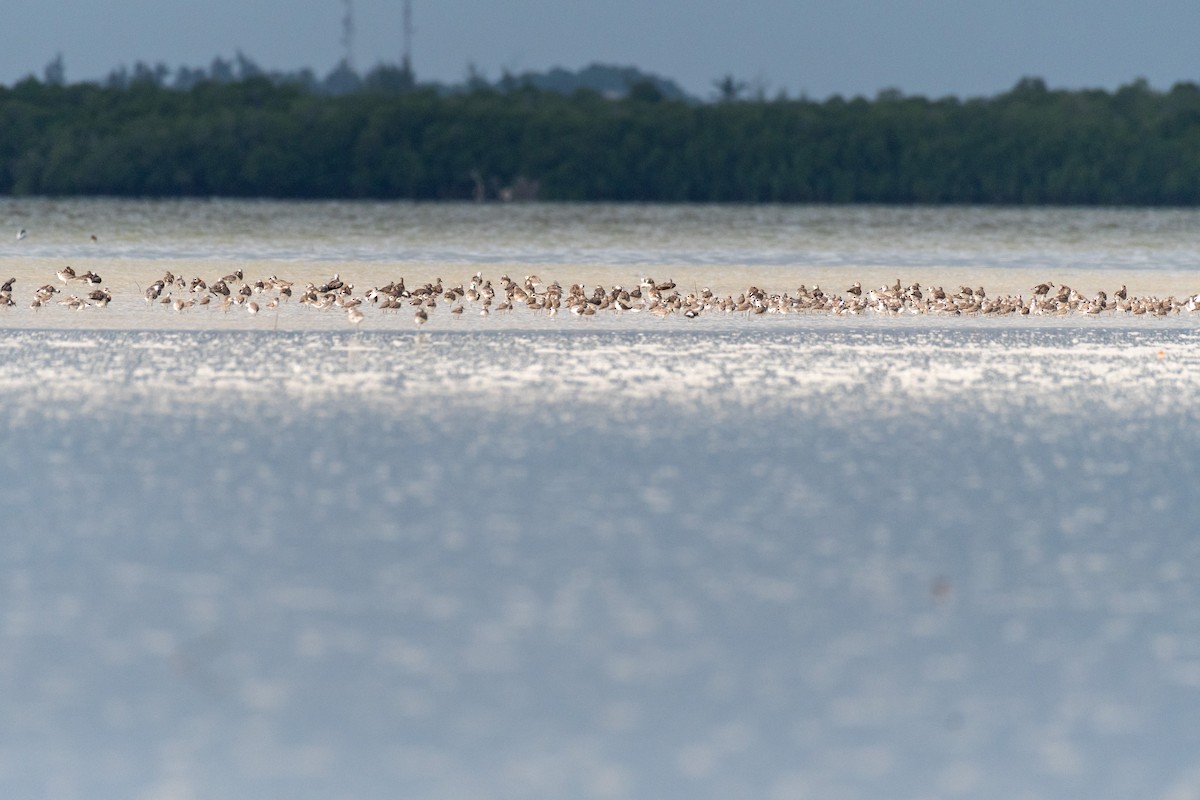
column 482, row 297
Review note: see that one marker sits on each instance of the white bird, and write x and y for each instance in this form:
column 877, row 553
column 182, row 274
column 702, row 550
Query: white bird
column 21, row 234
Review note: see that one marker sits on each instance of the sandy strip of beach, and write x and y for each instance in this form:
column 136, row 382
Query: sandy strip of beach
column 123, row 276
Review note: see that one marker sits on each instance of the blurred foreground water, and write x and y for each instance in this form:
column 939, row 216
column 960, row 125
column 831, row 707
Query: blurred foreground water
column 787, row 561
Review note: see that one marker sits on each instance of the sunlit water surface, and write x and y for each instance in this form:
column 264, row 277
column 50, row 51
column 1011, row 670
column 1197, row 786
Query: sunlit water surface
column 778, row 558
column 1053, row 239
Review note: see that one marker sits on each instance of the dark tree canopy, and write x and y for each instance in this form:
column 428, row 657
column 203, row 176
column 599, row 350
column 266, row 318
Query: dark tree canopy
column 251, row 135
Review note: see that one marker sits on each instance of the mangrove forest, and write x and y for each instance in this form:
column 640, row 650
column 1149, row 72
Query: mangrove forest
column 258, row 137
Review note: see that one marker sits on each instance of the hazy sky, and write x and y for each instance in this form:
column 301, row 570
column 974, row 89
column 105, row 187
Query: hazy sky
column 814, row 47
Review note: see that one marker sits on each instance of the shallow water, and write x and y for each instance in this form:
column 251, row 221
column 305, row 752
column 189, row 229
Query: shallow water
column 528, row 558
column 615, row 564
column 854, row 237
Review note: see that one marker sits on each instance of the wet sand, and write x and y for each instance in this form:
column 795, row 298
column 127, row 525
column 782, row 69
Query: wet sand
column 127, row 279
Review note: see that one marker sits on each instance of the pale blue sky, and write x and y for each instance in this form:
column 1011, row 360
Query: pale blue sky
column 848, row 47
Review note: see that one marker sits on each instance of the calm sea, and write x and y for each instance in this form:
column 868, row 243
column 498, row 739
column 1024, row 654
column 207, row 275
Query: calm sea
column 753, row 558
column 610, row 235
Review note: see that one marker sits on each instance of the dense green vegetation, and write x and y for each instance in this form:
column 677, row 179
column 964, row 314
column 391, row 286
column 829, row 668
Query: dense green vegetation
column 256, row 137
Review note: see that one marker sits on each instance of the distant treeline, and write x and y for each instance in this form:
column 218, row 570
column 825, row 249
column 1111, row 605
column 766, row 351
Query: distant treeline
column 263, row 138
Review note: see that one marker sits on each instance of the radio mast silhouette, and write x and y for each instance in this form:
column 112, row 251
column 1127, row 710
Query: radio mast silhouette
column 348, row 33
column 406, row 64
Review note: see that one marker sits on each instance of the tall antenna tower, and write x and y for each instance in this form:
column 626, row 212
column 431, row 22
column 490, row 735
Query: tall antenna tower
column 406, row 65
column 348, row 32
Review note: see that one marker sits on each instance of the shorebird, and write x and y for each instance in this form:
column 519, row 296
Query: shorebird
column 652, row 297
column 332, row 285
column 21, row 234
